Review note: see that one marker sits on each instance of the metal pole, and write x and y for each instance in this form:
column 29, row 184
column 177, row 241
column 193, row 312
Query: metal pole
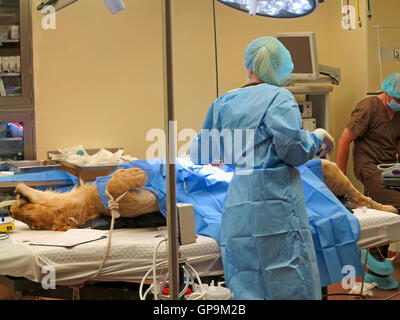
column 172, row 224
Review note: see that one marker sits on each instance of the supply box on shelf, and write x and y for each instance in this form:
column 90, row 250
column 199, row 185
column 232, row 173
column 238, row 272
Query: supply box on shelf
column 305, row 109
column 309, row 124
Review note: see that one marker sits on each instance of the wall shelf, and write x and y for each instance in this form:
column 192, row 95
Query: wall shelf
column 9, row 41
column 12, row 139
column 10, row 74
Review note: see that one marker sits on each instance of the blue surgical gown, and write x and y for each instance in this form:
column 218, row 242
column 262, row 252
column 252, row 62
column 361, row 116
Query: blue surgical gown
column 266, row 244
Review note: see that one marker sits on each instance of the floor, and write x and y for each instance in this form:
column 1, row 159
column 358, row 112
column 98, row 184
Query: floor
column 378, row 294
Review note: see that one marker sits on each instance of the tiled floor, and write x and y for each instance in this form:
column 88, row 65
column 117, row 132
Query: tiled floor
column 378, row 294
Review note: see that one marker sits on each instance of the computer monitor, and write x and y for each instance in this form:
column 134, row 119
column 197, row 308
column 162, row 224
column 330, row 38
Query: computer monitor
column 303, row 49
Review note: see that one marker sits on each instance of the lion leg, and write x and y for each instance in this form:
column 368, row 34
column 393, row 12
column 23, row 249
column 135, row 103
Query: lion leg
column 126, row 179
column 340, row 185
column 37, row 196
column 39, row 217
column 32, row 195
column 50, row 210
column 137, row 201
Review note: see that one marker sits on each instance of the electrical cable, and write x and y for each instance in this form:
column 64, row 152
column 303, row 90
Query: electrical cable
column 361, row 296
column 388, row 259
column 141, row 296
column 334, row 80
column 348, row 14
column 157, row 292
column 3, row 204
column 48, row 3
column 387, row 166
column 343, row 12
column 187, row 283
column 189, row 280
column 7, row 203
column 369, row 10
column 346, row 294
column 390, row 297
column 197, row 296
column 4, row 236
column 358, row 14
column 162, row 296
column 157, row 289
column 154, row 269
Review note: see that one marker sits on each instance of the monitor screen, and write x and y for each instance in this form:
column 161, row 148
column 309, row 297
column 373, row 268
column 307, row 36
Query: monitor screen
column 302, row 48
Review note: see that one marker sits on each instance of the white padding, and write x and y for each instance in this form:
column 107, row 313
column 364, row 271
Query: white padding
column 130, row 256
column 377, row 227
column 132, row 251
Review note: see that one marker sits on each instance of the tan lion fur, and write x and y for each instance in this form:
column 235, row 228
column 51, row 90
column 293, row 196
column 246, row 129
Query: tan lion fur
column 340, row 185
column 50, row 210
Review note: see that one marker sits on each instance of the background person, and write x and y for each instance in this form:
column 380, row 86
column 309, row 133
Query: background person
column 266, row 244
column 374, row 128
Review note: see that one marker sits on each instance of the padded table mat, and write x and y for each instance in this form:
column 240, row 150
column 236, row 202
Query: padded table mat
column 131, row 253
column 377, row 227
column 130, row 256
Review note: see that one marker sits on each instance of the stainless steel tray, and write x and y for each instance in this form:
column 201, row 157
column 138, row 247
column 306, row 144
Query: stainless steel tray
column 49, row 183
column 29, row 166
column 89, row 168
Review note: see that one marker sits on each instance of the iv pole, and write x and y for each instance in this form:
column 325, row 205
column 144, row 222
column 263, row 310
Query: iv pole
column 173, row 248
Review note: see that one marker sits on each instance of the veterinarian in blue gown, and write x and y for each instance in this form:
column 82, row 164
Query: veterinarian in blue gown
column 266, row 244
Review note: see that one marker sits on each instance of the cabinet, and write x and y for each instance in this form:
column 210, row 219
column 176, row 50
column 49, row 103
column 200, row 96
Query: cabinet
column 16, row 81
column 319, row 97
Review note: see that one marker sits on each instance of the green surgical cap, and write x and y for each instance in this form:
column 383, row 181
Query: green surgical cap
column 268, row 58
column 391, row 85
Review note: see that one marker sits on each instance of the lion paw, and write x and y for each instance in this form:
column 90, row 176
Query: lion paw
column 126, row 179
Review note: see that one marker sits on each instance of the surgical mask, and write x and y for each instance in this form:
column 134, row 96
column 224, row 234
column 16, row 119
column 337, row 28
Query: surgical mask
column 394, row 105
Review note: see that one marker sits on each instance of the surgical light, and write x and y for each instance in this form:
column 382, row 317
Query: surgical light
column 275, row 8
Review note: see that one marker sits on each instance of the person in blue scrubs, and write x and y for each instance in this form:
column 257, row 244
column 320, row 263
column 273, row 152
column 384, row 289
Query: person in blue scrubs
column 266, row 244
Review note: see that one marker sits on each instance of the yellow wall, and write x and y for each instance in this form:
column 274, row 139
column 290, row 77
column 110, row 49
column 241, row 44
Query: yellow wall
column 95, row 76
column 385, row 14
column 99, row 78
